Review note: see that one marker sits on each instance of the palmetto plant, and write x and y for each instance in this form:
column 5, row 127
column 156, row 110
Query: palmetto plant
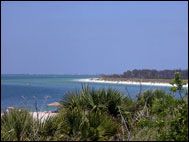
column 45, row 130
column 19, row 125
column 91, row 115
column 91, row 100
column 75, row 124
column 16, row 125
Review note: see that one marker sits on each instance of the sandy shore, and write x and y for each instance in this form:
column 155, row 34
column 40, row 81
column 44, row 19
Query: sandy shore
column 42, row 115
column 97, row 80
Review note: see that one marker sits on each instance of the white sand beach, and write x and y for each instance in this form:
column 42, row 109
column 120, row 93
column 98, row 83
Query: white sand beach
column 43, row 115
column 97, row 80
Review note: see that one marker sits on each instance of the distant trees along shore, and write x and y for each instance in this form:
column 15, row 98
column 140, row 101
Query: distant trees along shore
column 150, row 74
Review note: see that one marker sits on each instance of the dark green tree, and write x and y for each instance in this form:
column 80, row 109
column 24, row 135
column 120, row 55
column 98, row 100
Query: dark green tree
column 177, row 84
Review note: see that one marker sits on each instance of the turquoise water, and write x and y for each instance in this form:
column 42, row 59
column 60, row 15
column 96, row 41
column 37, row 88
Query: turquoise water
column 29, row 90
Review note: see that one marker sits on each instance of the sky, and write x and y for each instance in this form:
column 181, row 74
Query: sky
column 93, row 37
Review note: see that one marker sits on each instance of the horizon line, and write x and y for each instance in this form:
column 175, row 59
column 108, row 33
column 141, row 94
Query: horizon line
column 84, row 73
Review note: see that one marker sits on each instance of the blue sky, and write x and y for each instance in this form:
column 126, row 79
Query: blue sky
column 93, row 37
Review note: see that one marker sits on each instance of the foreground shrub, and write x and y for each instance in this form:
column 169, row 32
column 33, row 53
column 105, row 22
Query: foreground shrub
column 16, row 125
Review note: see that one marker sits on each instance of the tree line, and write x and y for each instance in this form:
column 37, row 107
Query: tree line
column 150, row 74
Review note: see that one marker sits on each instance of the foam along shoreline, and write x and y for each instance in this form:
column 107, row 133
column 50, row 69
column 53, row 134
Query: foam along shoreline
column 97, row 80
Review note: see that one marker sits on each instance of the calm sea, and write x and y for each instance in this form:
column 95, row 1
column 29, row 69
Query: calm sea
column 29, row 90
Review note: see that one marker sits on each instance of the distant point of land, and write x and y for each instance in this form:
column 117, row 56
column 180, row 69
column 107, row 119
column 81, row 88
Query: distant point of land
column 147, row 75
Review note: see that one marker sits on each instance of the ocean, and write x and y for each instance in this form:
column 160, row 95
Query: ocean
column 29, row 91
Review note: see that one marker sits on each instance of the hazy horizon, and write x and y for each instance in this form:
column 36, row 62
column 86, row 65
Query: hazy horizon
column 92, row 38
column 76, row 73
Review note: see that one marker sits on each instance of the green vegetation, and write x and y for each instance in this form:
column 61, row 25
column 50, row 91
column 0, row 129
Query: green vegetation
column 149, row 74
column 177, row 84
column 99, row 115
column 16, row 125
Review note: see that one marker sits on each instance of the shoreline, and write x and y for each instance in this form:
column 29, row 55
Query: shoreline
column 42, row 115
column 99, row 80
